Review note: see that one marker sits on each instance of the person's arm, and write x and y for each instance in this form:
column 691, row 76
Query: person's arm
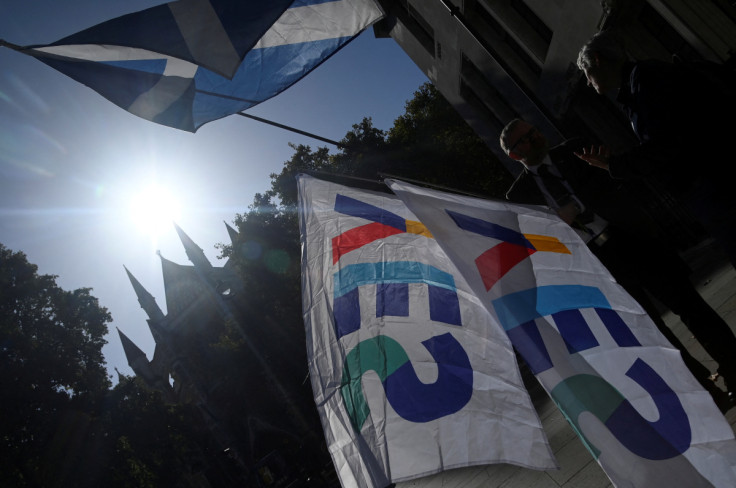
column 568, row 212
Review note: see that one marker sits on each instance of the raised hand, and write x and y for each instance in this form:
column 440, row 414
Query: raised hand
column 597, row 156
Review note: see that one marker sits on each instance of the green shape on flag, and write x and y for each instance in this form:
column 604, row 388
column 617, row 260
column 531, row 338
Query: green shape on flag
column 586, row 393
column 380, row 354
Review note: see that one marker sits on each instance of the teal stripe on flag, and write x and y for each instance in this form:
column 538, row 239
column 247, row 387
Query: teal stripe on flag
column 518, row 308
column 355, row 275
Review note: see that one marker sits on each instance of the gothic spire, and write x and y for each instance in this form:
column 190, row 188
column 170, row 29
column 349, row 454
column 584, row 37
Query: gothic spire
column 121, row 377
column 143, row 368
column 232, row 233
column 132, row 352
column 194, row 252
column 146, row 300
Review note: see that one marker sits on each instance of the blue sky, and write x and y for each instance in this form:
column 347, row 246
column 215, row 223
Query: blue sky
column 73, row 165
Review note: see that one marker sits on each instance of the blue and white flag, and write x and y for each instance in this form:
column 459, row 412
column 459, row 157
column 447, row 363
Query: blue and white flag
column 186, row 63
column 622, row 386
column 411, row 376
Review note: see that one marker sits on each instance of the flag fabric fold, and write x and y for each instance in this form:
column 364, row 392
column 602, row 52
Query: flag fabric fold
column 214, row 34
column 411, row 375
column 189, row 62
column 623, row 387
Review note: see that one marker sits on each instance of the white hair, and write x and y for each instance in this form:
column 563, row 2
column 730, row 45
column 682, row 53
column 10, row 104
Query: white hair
column 606, row 45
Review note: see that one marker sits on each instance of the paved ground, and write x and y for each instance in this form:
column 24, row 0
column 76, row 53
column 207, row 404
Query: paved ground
column 716, row 281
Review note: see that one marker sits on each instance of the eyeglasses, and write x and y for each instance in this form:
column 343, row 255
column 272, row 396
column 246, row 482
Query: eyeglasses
column 525, row 138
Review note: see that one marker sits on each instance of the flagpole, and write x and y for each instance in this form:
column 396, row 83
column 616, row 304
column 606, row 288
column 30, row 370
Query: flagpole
column 292, row 129
column 348, row 180
column 10, row 45
column 381, row 185
column 447, row 189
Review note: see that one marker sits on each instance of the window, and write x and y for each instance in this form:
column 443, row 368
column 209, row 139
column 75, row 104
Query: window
column 663, row 32
column 417, row 25
column 544, row 32
column 530, row 33
column 496, row 34
column 478, row 92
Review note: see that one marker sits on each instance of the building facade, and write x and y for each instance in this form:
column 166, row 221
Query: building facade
column 496, row 60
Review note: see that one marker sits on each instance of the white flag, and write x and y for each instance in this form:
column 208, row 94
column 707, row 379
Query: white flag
column 410, row 374
column 622, row 386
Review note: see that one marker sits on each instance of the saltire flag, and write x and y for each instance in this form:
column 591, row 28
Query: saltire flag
column 410, row 374
column 621, row 385
column 189, row 62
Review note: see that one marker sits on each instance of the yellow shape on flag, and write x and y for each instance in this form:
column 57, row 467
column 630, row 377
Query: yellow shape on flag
column 546, row 243
column 414, row 227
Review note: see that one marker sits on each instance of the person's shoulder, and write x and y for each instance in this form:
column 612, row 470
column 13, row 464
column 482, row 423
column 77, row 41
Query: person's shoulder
column 651, row 70
column 652, row 66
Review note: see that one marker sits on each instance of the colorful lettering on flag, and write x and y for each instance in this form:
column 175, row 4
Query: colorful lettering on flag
column 410, row 374
column 188, row 62
column 622, row 386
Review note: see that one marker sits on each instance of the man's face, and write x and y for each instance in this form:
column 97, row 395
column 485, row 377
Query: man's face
column 527, row 144
column 594, row 79
column 603, row 75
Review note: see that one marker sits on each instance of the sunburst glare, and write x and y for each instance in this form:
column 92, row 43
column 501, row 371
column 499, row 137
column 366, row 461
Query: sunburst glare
column 154, row 209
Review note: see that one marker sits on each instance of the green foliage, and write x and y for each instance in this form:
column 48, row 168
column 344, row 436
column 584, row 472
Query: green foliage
column 151, row 443
column 60, row 423
column 274, row 361
column 50, row 361
column 430, row 142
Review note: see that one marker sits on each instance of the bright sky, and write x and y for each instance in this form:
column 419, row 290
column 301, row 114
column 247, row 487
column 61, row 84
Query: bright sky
column 75, row 169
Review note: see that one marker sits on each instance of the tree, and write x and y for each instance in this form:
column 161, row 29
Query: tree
column 50, row 363
column 430, row 142
column 148, row 443
column 60, row 423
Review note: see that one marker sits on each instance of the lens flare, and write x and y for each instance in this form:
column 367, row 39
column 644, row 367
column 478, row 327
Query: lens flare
column 154, row 209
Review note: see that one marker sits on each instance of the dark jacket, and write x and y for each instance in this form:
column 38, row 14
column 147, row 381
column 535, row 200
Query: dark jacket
column 594, row 188
column 675, row 111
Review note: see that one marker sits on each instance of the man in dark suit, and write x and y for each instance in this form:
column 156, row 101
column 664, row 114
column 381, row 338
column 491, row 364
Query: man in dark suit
column 621, row 236
column 682, row 114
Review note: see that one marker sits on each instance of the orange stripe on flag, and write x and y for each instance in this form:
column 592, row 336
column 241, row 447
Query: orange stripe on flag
column 547, row 244
column 414, row 227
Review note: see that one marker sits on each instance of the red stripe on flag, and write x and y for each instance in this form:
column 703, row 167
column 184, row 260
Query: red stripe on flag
column 359, row 237
column 498, row 260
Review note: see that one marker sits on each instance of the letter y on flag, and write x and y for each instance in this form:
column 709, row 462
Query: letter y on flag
column 410, row 374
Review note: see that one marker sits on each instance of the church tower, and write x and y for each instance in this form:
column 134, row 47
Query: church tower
column 154, row 377
column 244, row 398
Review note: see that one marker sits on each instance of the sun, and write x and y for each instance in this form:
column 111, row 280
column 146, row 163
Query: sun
column 154, row 209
